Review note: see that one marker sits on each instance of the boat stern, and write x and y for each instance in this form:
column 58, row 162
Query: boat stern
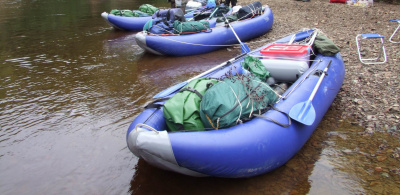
column 104, row 15
column 155, row 148
column 141, row 41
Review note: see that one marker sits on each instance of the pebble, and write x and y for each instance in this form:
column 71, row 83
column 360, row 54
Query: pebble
column 381, row 158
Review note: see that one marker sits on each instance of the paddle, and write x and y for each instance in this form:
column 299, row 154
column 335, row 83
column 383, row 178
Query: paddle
column 304, row 112
column 244, row 47
column 178, row 86
column 213, row 13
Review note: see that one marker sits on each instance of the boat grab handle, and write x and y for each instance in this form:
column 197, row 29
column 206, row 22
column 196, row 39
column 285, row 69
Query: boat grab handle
column 147, row 126
column 275, row 121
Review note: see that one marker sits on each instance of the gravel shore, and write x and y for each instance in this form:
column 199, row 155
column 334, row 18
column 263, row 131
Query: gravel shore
column 370, row 93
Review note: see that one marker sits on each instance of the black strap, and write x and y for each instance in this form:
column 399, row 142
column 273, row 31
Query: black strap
column 320, row 72
column 154, row 105
column 276, row 122
column 192, row 90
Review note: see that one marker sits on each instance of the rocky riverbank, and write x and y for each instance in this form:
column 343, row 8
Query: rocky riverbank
column 370, row 94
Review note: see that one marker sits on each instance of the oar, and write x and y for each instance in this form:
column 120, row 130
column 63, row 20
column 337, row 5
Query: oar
column 244, row 47
column 213, row 13
column 304, row 112
column 178, row 86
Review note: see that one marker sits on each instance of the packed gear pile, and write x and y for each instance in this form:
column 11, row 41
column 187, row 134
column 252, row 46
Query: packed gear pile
column 145, row 10
column 206, row 104
column 172, row 21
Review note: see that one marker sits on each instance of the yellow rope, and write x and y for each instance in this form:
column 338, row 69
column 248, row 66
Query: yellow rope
column 212, row 125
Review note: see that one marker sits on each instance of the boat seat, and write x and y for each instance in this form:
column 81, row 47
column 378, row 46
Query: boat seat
column 369, row 41
column 395, row 31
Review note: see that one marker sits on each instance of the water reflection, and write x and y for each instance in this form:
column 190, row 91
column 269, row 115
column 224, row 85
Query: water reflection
column 70, row 86
column 292, row 178
column 368, row 163
column 333, row 161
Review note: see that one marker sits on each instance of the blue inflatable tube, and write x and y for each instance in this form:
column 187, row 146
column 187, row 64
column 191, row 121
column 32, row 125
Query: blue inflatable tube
column 125, row 23
column 129, row 23
column 204, row 42
column 245, row 150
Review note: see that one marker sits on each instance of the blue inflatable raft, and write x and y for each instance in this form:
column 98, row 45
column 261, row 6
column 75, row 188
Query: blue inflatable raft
column 132, row 23
column 248, row 149
column 204, row 42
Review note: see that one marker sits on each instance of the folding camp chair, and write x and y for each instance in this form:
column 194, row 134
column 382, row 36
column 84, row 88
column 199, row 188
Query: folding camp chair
column 377, row 59
column 395, row 31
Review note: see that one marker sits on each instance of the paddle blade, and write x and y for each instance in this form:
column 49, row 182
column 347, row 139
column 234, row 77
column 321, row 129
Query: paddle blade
column 303, row 112
column 170, row 90
column 244, row 47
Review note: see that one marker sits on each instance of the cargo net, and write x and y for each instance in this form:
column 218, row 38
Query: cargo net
column 235, row 99
column 260, row 95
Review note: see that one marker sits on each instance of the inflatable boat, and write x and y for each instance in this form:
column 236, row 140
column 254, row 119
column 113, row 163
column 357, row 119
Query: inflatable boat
column 251, row 148
column 137, row 23
column 203, row 42
column 131, row 23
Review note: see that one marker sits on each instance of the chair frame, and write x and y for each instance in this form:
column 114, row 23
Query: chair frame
column 360, row 37
column 395, row 31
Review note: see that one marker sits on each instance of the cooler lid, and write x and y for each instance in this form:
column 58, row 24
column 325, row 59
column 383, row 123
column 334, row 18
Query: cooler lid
column 285, row 49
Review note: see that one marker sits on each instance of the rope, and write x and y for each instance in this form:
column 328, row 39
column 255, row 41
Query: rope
column 275, row 121
column 210, row 121
column 147, row 126
column 238, row 100
column 269, row 88
column 183, row 42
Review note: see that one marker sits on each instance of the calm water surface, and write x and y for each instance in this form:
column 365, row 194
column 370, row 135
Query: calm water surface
column 70, row 86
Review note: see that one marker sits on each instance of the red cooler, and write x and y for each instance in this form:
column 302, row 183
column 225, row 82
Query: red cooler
column 287, row 52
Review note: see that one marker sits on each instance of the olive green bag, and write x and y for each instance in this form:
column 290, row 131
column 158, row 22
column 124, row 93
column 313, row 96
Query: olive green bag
column 325, row 46
column 255, row 66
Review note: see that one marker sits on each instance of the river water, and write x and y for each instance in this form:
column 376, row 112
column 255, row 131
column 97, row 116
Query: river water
column 70, row 86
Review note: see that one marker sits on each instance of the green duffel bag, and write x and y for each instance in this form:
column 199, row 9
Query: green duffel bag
column 235, row 100
column 255, row 66
column 125, row 12
column 181, row 112
column 190, row 27
column 147, row 8
column 230, row 18
column 138, row 13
